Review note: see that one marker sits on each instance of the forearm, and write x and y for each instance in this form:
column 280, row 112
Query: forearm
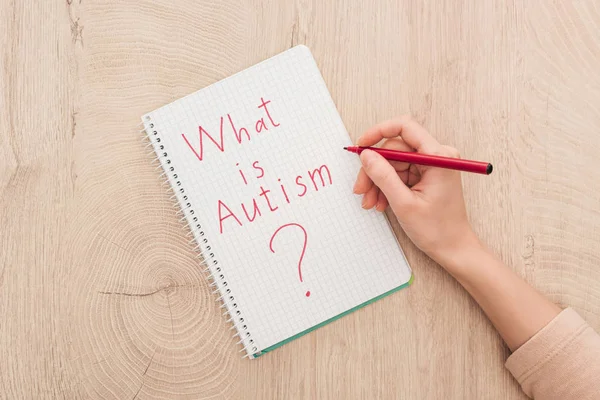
column 515, row 308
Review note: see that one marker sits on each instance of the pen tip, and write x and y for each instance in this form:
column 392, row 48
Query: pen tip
column 345, row 148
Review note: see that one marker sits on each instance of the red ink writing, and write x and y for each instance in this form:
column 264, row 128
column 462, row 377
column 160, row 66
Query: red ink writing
column 299, row 183
column 200, row 153
column 258, row 168
column 238, row 135
column 293, row 224
column 271, row 199
column 260, row 125
column 223, row 218
column 284, row 192
column 256, row 210
column 242, row 173
column 320, row 172
column 264, row 192
column 264, row 104
column 239, row 132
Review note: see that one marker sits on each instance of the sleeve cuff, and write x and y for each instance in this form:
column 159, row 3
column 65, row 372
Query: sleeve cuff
column 545, row 344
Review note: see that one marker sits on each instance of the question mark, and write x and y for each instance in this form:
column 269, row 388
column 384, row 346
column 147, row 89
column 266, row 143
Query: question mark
column 303, row 247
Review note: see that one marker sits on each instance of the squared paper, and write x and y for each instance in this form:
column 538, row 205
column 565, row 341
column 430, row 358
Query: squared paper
column 352, row 256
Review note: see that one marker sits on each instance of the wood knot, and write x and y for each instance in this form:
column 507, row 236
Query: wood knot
column 529, row 250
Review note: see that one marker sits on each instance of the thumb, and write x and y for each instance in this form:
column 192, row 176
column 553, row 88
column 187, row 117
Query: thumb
column 383, row 174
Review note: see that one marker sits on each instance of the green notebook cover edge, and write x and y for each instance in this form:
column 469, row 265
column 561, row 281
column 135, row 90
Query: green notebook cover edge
column 366, row 303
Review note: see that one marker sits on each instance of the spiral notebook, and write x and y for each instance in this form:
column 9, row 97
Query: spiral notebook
column 257, row 166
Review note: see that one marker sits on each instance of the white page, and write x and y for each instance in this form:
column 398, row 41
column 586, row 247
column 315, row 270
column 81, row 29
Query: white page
column 351, row 255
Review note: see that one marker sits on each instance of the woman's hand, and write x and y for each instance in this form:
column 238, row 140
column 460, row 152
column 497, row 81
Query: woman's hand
column 427, row 201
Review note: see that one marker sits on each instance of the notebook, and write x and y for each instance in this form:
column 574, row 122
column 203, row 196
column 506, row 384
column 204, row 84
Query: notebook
column 257, row 165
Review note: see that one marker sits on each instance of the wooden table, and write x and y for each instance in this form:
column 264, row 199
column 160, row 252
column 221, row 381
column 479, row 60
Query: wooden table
column 100, row 295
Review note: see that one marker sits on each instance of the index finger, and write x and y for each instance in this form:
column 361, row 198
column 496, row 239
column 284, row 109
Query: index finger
column 411, row 132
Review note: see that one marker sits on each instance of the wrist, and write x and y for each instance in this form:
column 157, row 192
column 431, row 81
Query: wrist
column 464, row 254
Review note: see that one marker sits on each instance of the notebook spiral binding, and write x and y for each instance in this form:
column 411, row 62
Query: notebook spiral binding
column 212, row 269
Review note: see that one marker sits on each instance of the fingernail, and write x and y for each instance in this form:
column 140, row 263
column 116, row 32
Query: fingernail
column 364, row 203
column 367, row 157
column 354, row 190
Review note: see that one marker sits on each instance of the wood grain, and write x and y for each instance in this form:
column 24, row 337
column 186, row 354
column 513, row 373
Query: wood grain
column 100, row 294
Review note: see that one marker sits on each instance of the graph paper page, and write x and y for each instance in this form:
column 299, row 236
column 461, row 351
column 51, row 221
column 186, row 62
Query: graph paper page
column 258, row 158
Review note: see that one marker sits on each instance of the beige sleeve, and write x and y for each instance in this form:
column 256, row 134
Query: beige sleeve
column 561, row 361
